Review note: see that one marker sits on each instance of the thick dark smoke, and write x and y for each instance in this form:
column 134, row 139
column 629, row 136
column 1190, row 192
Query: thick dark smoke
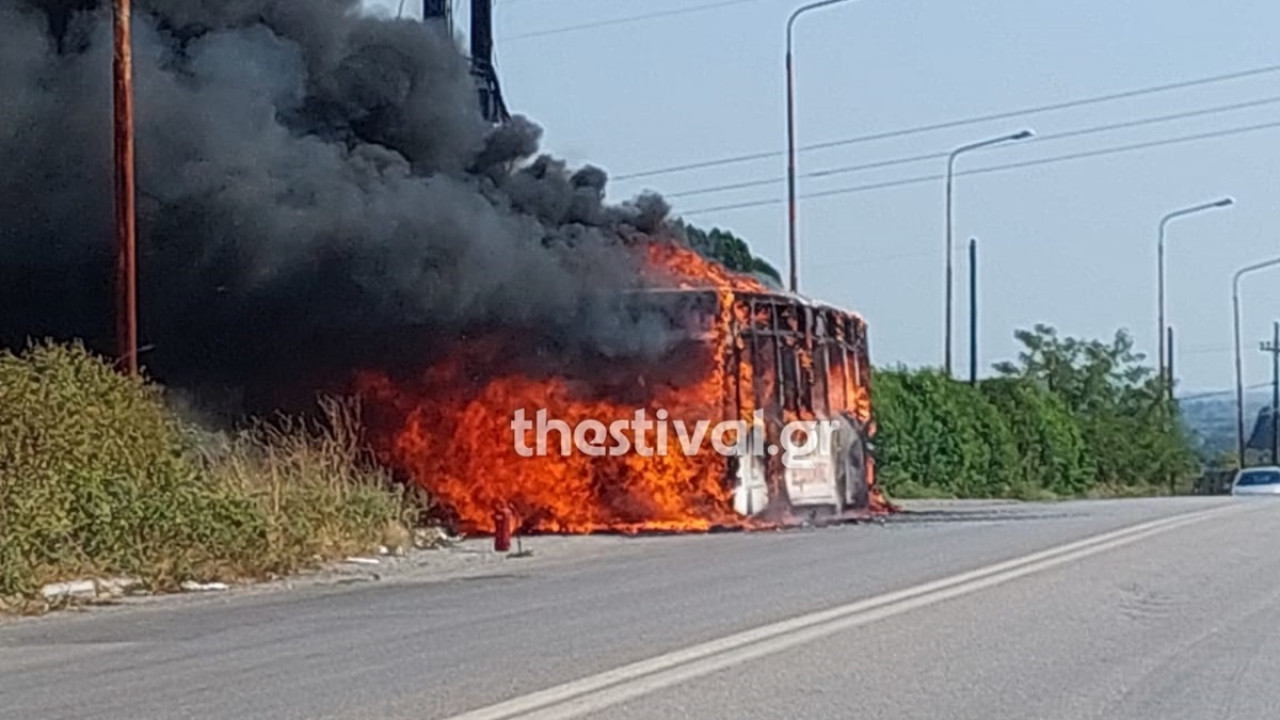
column 317, row 189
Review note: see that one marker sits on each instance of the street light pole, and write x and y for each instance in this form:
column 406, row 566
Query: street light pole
column 1235, row 308
column 951, row 168
column 125, row 211
column 791, row 138
column 1164, row 222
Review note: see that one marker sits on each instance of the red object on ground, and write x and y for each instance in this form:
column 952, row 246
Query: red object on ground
column 502, row 529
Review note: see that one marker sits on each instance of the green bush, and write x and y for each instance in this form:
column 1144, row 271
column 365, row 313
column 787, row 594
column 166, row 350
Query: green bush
column 95, row 478
column 1052, row 457
column 98, row 478
column 1070, row 418
column 935, row 433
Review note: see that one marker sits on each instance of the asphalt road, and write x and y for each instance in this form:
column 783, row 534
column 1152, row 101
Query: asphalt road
column 1126, row 609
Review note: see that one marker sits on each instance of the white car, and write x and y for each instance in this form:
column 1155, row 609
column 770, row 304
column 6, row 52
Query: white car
column 1257, row 481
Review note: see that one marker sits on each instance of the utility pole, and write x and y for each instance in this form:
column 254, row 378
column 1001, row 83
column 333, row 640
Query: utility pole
column 435, row 9
column 1235, row 322
column 1164, row 221
column 125, row 190
column 1170, row 407
column 950, row 250
column 491, row 102
column 973, row 311
column 1273, row 347
column 794, row 273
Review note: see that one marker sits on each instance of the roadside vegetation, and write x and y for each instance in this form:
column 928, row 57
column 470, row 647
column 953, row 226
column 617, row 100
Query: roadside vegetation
column 98, row 478
column 1068, row 418
column 729, row 250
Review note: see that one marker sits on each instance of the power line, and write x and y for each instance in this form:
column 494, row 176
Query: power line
column 628, row 20
column 1080, row 102
column 880, row 258
column 1218, row 393
column 1207, row 351
column 995, row 168
column 845, row 169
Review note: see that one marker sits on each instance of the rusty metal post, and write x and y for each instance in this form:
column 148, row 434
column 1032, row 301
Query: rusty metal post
column 125, row 211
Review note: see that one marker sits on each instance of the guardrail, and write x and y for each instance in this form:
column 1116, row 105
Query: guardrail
column 1214, row 482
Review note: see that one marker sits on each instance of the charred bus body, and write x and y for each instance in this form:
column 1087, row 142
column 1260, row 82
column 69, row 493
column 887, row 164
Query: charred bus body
column 794, row 366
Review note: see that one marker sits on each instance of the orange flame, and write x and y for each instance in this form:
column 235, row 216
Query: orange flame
column 451, row 430
column 462, row 447
column 456, row 437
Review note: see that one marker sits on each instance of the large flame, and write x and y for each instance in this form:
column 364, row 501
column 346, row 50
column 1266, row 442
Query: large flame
column 453, row 431
column 687, row 269
column 457, row 439
column 451, row 428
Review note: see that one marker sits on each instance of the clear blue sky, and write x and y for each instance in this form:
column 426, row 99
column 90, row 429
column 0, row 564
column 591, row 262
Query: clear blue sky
column 1072, row 243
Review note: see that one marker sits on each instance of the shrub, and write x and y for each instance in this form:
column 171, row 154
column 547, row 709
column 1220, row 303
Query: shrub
column 935, row 433
column 99, row 478
column 96, row 478
column 1051, row 451
column 1068, row 418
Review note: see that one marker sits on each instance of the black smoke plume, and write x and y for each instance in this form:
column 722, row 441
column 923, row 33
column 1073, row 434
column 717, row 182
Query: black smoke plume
column 317, row 191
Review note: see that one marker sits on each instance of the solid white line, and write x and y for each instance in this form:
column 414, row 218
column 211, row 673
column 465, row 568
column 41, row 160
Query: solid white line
column 596, row 692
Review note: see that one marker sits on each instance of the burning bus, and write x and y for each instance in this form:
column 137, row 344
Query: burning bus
column 788, row 361
column 427, row 250
column 739, row 351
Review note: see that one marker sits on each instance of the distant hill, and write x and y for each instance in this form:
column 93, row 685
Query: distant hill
column 1212, row 419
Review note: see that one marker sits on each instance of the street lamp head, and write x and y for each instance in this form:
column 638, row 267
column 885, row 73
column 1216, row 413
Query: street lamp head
column 1225, row 202
column 1024, row 135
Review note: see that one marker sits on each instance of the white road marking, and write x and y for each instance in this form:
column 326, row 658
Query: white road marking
column 596, row 692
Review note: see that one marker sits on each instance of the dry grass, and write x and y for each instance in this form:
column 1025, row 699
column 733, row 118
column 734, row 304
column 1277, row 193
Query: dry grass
column 320, row 493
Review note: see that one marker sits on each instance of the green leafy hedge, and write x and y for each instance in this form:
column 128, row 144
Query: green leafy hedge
column 940, row 434
column 1049, row 444
column 1068, row 418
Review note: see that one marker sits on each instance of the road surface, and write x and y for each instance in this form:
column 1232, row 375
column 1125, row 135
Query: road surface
column 1155, row 609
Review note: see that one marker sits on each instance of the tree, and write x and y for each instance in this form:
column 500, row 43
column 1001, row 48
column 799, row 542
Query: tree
column 1065, row 418
column 1134, row 432
column 729, row 250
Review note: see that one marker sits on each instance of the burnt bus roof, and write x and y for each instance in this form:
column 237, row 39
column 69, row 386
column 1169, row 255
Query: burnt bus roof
column 776, row 296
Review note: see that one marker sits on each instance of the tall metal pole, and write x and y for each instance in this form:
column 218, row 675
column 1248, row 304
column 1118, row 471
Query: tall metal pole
column 1239, row 376
column 791, row 167
column 973, row 311
column 1164, row 222
column 1274, row 349
column 791, row 140
column 125, row 190
column 1171, row 409
column 1169, row 364
column 946, row 341
column 1160, row 326
column 950, row 250
column 1235, row 307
